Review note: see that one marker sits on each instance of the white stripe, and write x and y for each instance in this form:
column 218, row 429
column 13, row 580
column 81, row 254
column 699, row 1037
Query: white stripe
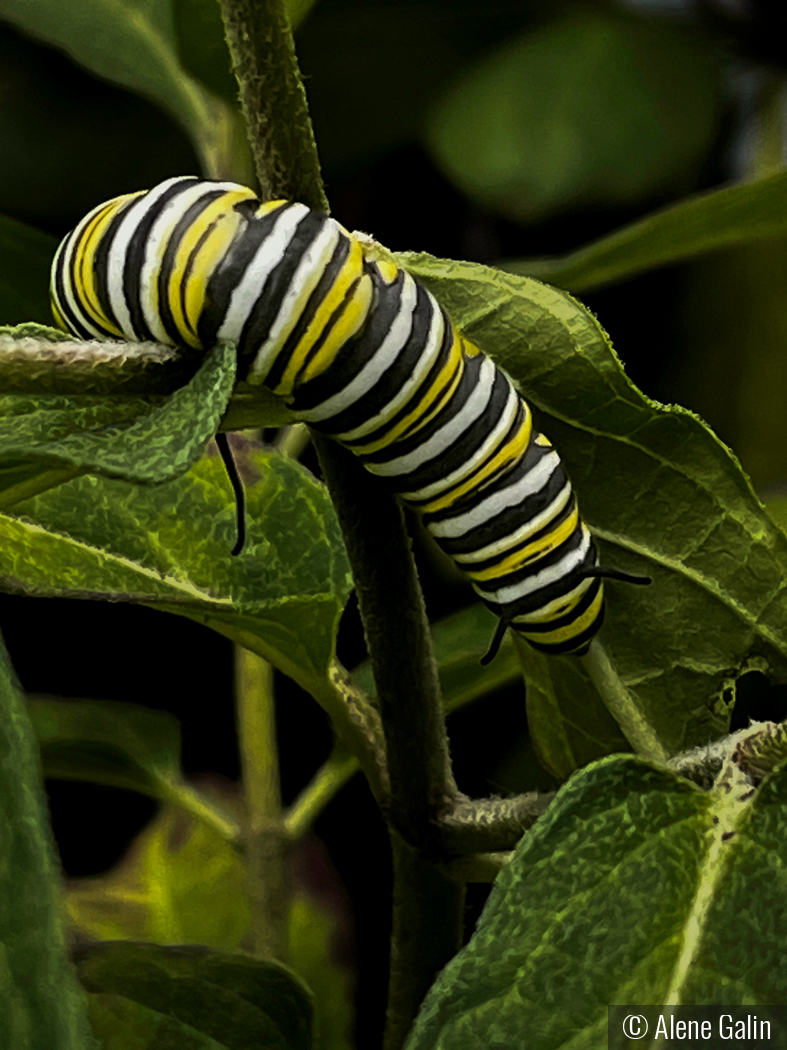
column 451, row 432
column 429, row 355
column 156, row 244
column 116, row 263
column 539, row 580
column 305, row 279
column 252, row 284
column 64, row 252
column 385, row 355
column 477, row 459
column 513, row 539
column 529, row 485
column 552, row 609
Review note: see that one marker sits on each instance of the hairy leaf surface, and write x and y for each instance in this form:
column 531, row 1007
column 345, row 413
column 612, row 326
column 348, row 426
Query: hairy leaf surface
column 664, row 497
column 169, row 547
column 635, row 887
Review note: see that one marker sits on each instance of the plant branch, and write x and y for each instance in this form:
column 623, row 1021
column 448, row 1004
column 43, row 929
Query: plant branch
column 266, row 845
column 330, row 777
column 273, row 99
column 428, row 906
column 490, row 825
column 397, row 635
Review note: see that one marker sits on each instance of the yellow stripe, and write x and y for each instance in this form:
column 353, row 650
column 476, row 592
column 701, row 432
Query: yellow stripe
column 351, row 271
column 389, row 271
column 437, row 397
column 470, row 349
column 352, row 319
column 500, row 458
column 85, row 270
column 519, row 558
column 59, row 320
column 225, row 221
column 268, row 207
column 555, row 609
column 573, row 630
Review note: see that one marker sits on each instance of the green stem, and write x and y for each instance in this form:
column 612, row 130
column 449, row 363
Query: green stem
column 329, row 779
column 266, row 846
column 635, row 727
column 294, row 440
column 428, row 908
column 273, row 99
column 193, row 802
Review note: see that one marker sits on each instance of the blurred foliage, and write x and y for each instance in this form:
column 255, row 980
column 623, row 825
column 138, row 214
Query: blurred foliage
column 528, row 131
column 502, row 131
column 182, row 883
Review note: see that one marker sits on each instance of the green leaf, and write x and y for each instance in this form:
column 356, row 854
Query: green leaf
column 169, row 547
column 636, row 887
column 25, row 258
column 591, row 110
column 182, row 882
column 123, row 1024
column 663, row 496
column 41, row 1007
column 121, row 745
column 459, row 643
column 135, row 44
column 123, row 437
column 237, row 1001
column 702, row 223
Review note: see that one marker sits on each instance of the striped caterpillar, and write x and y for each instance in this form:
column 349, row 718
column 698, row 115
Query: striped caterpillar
column 363, row 353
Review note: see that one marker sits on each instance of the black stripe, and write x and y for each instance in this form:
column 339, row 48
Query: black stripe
column 268, row 303
column 391, row 382
column 422, row 392
column 312, row 305
column 191, row 214
column 567, row 618
column 230, row 270
column 502, row 524
column 135, row 256
column 578, row 645
column 101, row 262
column 65, row 261
column 536, row 600
column 489, row 563
column 358, row 350
column 453, row 457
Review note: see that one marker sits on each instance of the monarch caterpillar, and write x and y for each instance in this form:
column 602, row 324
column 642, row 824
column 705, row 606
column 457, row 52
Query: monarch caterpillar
column 362, row 352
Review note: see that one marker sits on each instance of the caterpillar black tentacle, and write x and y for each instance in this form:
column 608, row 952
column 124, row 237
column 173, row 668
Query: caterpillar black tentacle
column 361, row 352
column 237, row 487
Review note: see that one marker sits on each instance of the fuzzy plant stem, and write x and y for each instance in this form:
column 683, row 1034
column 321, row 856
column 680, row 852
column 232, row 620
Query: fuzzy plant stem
column 273, row 99
column 422, row 787
column 421, row 783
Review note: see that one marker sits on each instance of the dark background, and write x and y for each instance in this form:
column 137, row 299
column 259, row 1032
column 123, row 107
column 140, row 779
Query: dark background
column 373, row 69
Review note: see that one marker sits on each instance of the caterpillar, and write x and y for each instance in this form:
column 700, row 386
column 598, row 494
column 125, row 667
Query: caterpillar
column 363, row 353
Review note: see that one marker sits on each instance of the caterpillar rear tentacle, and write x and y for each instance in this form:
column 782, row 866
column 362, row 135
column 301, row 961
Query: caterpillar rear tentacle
column 362, row 352
column 237, row 487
